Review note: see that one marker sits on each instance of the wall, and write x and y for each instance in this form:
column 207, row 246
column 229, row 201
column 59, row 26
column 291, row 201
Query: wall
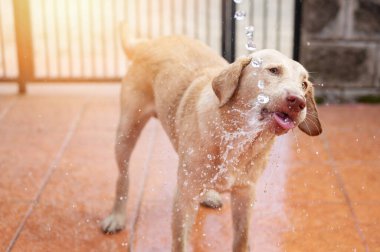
column 341, row 47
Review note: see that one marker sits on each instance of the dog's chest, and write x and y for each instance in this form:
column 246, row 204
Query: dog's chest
column 239, row 161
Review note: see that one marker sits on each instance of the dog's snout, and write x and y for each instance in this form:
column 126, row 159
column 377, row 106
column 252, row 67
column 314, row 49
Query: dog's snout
column 296, row 102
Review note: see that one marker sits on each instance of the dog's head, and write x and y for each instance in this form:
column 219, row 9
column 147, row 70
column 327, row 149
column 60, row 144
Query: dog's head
column 274, row 87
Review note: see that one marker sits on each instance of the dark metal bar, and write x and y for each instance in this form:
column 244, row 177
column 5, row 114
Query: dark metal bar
column 46, row 38
column 265, row 24
column 68, row 32
column 103, row 37
column 228, row 30
column 80, row 36
column 278, row 24
column 24, row 43
column 297, row 29
column 2, row 47
column 57, row 37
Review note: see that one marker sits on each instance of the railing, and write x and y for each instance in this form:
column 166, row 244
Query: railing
column 77, row 40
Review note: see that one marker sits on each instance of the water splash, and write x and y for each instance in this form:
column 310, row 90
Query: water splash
column 295, row 137
column 238, row 1
column 240, row 15
column 237, row 141
column 257, row 63
column 250, row 31
column 260, row 84
column 262, row 98
column 250, row 45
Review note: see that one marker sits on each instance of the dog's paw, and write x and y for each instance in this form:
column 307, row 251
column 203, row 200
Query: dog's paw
column 212, row 199
column 113, row 223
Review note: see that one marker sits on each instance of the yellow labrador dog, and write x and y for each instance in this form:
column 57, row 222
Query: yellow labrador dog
column 221, row 118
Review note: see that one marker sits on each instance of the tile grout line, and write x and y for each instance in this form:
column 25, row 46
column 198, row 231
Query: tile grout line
column 7, row 109
column 141, row 196
column 345, row 194
column 52, row 167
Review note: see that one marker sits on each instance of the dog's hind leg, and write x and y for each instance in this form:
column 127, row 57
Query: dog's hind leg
column 136, row 109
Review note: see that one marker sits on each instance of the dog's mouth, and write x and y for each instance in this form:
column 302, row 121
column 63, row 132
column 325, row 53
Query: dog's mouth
column 282, row 119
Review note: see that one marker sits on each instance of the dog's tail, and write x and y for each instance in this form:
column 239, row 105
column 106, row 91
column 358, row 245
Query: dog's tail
column 126, row 44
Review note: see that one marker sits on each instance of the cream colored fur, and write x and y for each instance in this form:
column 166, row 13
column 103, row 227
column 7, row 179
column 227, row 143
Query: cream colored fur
column 209, row 110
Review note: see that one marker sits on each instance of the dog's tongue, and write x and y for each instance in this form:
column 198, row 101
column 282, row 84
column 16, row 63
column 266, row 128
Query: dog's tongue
column 284, row 120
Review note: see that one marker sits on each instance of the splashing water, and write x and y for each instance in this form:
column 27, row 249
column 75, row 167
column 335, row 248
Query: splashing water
column 240, row 15
column 260, row 84
column 250, row 45
column 295, row 137
column 249, row 31
column 262, row 98
column 236, row 141
column 256, row 63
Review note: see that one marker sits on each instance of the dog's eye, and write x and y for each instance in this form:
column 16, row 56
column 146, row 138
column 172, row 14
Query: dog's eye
column 304, row 85
column 274, row 70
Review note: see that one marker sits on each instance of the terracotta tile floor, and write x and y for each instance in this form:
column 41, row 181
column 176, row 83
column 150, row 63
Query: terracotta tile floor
column 58, row 175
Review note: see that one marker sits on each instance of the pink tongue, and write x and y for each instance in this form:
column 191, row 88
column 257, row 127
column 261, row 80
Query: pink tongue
column 285, row 123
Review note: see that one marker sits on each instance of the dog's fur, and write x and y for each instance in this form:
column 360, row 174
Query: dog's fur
column 210, row 112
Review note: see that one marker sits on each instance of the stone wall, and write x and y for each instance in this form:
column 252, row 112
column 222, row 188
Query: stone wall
column 341, row 47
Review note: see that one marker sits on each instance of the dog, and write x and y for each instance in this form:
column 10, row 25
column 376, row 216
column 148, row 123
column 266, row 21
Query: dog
column 222, row 120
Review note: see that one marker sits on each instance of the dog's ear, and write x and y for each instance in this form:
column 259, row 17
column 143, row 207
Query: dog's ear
column 225, row 84
column 311, row 125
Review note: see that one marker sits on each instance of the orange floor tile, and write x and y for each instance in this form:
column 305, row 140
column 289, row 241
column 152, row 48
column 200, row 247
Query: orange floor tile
column 58, row 177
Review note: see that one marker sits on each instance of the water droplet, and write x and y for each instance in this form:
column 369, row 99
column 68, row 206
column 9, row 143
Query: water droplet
column 256, row 63
column 124, row 244
column 240, row 15
column 249, row 31
column 298, row 150
column 238, row 1
column 262, row 98
column 260, row 84
column 250, row 45
column 209, row 156
column 308, row 43
column 322, row 84
column 190, row 151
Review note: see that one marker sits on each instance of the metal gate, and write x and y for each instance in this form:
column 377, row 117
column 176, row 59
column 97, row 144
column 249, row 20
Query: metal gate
column 71, row 41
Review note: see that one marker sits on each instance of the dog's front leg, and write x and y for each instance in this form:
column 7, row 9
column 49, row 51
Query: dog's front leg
column 185, row 209
column 241, row 202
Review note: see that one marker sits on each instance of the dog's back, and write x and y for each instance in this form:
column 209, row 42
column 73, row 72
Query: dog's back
column 168, row 66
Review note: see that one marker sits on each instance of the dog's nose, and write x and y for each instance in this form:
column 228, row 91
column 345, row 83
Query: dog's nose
column 296, row 103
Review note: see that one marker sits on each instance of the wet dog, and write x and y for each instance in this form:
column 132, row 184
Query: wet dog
column 221, row 118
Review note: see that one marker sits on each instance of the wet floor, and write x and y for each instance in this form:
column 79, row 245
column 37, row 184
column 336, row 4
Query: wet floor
column 58, row 177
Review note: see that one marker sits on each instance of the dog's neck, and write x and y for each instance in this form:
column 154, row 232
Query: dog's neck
column 242, row 130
